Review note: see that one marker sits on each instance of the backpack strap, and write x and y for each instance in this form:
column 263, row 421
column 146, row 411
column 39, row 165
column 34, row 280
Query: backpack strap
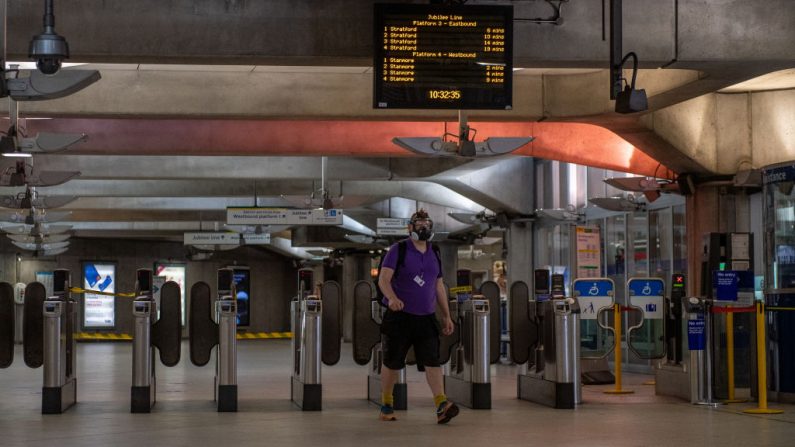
column 438, row 253
column 401, row 256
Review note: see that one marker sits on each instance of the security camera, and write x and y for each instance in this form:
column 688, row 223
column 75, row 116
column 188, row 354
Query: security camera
column 48, row 48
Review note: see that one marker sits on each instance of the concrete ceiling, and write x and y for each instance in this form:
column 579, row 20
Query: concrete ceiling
column 209, row 104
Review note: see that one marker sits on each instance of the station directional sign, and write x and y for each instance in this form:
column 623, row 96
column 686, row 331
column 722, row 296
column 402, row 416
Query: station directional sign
column 392, row 226
column 210, row 238
column 282, row 216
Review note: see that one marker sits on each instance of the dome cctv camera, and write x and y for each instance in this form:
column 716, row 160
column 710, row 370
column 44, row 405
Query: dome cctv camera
column 48, row 49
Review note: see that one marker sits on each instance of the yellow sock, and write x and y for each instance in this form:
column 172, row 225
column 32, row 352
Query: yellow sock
column 388, row 399
column 437, row 400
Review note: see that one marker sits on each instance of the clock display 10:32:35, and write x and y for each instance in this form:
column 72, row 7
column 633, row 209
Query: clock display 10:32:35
column 444, row 94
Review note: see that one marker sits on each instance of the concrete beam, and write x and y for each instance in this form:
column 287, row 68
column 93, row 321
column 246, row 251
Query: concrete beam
column 565, row 141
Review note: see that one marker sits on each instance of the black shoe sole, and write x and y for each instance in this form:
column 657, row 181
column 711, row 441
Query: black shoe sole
column 449, row 414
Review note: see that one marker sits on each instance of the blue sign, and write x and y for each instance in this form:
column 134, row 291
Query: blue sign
column 778, row 175
column 646, row 287
column 596, row 287
column 696, row 338
column 728, row 283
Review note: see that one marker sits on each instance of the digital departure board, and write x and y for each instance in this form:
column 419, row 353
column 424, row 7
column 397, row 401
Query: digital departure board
column 443, row 57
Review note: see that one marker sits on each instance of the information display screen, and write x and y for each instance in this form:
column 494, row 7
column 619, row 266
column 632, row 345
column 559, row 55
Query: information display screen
column 99, row 311
column 176, row 273
column 443, row 57
column 242, row 277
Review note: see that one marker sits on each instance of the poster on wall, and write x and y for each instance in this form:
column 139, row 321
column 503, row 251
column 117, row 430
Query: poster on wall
column 242, row 278
column 99, row 311
column 174, row 272
column 589, row 253
column 157, row 285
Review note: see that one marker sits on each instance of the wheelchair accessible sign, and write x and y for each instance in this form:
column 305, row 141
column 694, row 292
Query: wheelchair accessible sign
column 647, row 294
column 593, row 295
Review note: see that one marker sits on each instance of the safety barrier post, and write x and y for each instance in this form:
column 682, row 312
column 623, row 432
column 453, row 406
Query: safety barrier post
column 617, row 350
column 761, row 364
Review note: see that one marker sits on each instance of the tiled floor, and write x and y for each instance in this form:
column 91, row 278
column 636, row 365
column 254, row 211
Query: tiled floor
column 185, row 415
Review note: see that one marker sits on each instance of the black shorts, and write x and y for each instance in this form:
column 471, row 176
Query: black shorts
column 400, row 331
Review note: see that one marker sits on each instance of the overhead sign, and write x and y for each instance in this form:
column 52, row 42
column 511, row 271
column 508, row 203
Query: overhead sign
column 211, row 238
column 256, row 239
column 392, row 226
column 648, row 295
column 282, row 216
column 443, row 57
column 593, row 295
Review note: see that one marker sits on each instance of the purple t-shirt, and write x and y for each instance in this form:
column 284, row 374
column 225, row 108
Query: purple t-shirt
column 415, row 282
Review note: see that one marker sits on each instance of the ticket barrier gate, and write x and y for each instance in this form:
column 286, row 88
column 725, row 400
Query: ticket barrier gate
column 19, row 309
column 646, row 339
column 48, row 339
column 672, row 373
column 545, row 341
column 150, row 332
column 699, row 325
column 7, row 325
column 368, row 312
column 468, row 380
column 215, row 328
column 596, row 297
column 60, row 384
column 316, row 323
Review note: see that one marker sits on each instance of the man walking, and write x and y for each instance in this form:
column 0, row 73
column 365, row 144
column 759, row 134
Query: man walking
column 411, row 282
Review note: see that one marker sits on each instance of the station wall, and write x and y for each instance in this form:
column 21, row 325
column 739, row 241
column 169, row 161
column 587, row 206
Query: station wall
column 273, row 282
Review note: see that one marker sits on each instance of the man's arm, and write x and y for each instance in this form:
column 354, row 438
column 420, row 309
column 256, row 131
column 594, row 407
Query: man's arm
column 385, row 284
column 441, row 301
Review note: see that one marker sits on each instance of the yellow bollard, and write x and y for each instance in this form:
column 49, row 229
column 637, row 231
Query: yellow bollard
column 617, row 350
column 761, row 364
column 730, row 359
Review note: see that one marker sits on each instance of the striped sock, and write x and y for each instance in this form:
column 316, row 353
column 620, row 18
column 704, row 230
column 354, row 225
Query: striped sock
column 437, row 400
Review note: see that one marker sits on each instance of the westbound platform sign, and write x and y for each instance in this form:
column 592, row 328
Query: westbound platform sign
column 392, row 226
column 282, row 216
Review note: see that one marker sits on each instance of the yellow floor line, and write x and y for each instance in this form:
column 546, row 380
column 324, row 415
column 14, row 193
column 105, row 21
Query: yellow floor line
column 112, row 336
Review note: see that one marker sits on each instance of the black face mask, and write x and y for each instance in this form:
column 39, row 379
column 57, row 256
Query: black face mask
column 423, row 234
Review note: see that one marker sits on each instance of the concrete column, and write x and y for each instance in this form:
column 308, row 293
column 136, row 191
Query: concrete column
column 703, row 216
column 355, row 267
column 520, row 253
column 449, row 252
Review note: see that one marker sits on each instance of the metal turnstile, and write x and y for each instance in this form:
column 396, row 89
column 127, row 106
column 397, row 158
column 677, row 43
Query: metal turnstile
column 7, row 324
column 545, row 342
column 216, row 329
column 150, row 332
column 367, row 316
column 316, row 340
column 59, row 391
column 48, row 340
column 468, row 378
column 19, row 311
